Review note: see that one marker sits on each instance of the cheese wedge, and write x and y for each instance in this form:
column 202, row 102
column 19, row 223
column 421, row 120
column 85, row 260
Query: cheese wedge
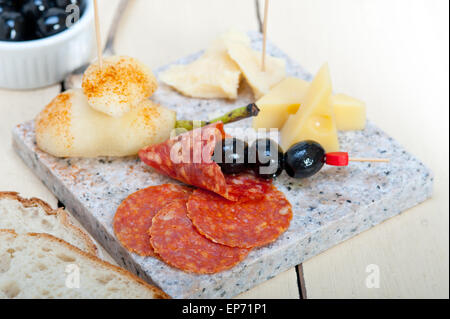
column 249, row 61
column 350, row 113
column 213, row 75
column 315, row 118
column 281, row 101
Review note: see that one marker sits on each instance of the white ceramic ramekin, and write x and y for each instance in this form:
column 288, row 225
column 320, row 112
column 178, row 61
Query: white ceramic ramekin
column 39, row 63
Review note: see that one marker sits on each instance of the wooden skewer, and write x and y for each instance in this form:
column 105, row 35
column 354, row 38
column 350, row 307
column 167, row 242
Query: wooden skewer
column 266, row 15
column 98, row 35
column 377, row 160
column 342, row 159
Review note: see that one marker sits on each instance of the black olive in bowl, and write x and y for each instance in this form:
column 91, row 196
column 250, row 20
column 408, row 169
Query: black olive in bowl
column 51, row 22
column 12, row 26
column 22, row 20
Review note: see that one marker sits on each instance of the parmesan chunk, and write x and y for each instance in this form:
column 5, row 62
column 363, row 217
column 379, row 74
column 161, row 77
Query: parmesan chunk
column 213, row 75
column 249, row 61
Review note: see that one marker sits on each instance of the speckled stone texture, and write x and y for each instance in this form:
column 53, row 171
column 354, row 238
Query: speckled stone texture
column 329, row 208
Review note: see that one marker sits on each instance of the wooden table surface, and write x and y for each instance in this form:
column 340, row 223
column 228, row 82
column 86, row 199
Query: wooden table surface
column 393, row 54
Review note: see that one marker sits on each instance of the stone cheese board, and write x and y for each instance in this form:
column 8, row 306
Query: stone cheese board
column 332, row 206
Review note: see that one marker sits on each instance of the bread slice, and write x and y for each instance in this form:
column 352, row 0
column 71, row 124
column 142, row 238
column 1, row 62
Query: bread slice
column 43, row 266
column 36, row 216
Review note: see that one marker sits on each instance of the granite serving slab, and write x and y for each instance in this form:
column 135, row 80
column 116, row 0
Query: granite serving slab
column 334, row 205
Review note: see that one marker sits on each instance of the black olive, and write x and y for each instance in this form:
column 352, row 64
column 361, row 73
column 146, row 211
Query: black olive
column 64, row 3
column 52, row 22
column 10, row 4
column 42, row 18
column 5, row 7
column 231, row 155
column 304, row 159
column 267, row 157
column 34, row 9
column 12, row 26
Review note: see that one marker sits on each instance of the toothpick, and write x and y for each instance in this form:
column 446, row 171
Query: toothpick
column 98, row 35
column 266, row 14
column 377, row 160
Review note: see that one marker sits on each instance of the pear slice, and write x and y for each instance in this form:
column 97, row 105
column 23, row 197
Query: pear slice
column 70, row 127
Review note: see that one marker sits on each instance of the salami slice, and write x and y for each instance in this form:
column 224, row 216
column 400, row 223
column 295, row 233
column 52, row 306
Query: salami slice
column 244, row 224
column 179, row 244
column 188, row 158
column 246, row 187
column 134, row 216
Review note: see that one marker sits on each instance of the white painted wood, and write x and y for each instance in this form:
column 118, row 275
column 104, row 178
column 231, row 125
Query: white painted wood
column 283, row 286
column 16, row 107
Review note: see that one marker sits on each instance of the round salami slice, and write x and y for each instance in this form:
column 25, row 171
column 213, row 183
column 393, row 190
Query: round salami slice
column 245, row 187
column 180, row 245
column 245, row 224
column 134, row 215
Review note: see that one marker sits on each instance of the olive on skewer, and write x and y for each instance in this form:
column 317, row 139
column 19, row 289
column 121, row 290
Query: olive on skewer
column 304, row 159
column 266, row 159
column 231, row 155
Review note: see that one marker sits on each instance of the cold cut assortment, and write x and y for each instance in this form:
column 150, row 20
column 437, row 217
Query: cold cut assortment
column 207, row 229
column 199, row 232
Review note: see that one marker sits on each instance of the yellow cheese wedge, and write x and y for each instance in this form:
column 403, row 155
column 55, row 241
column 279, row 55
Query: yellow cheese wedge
column 315, row 118
column 350, row 113
column 282, row 100
column 249, row 61
column 213, row 75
